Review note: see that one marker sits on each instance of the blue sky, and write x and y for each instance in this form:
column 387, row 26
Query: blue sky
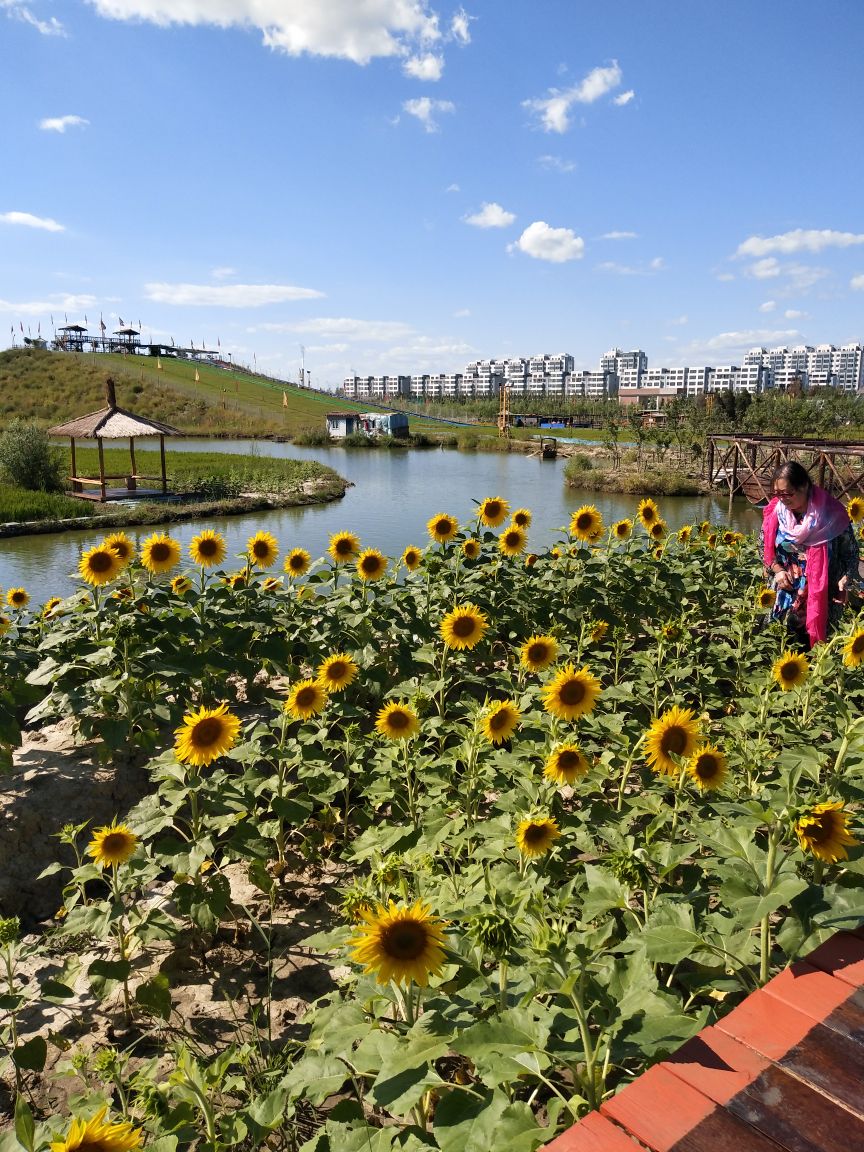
column 401, row 186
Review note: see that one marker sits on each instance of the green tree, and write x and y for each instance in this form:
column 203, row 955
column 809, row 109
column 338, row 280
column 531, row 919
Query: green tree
column 28, row 459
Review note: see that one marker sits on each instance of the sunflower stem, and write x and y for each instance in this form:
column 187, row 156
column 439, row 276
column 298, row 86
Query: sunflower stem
column 409, row 782
column 765, row 926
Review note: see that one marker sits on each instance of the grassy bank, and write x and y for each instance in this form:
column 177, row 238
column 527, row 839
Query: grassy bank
column 581, row 472
column 203, row 483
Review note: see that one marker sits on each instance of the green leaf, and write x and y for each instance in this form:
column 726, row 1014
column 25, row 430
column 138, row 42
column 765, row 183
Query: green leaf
column 105, row 975
column 316, row 1077
column 493, row 1045
column 155, row 995
column 32, row 1054
column 25, row 1128
column 267, row 1111
column 604, row 893
column 466, row 1123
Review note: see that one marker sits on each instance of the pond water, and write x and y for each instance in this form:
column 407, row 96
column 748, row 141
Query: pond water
column 394, row 493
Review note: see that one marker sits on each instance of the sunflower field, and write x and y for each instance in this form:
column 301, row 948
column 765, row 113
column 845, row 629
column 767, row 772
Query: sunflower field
column 559, row 811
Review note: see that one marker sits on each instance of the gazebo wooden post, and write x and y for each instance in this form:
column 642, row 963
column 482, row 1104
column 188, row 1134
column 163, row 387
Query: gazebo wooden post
column 164, row 474
column 133, row 483
column 101, row 468
column 75, row 486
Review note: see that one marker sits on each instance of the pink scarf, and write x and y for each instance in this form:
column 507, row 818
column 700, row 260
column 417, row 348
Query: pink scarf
column 824, row 519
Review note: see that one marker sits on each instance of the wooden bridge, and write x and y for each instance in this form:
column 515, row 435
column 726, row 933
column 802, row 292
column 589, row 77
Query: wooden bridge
column 744, row 465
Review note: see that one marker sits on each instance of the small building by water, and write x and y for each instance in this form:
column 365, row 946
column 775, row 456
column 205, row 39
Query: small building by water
column 342, row 424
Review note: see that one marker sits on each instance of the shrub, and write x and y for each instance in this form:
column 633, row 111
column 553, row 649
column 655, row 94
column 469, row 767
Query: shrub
column 577, row 466
column 312, row 438
column 28, row 459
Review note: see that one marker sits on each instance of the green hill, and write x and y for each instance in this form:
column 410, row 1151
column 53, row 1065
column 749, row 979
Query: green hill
column 50, row 387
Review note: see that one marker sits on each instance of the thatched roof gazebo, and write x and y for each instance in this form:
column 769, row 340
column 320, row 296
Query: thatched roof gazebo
column 114, row 423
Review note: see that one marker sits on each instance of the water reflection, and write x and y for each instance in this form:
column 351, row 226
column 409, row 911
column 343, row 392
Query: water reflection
column 392, row 496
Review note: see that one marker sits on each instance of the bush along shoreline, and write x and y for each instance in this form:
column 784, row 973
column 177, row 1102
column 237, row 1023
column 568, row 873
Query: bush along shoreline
column 528, row 821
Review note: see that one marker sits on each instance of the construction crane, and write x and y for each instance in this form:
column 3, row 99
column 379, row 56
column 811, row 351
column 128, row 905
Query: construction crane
column 504, row 412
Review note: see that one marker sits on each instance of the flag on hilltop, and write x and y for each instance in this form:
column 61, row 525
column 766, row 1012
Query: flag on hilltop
column 284, row 399
column 197, row 377
column 101, row 323
column 158, row 364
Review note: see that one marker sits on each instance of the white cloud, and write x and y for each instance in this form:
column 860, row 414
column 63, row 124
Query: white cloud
column 490, row 216
column 680, row 321
column 342, row 28
column 857, row 283
column 797, row 277
column 426, row 67
column 61, row 123
column 799, row 240
column 452, row 188
column 768, row 306
column 619, row 236
column 557, row 163
column 765, row 269
column 28, row 220
column 460, row 27
column 557, row 245
column 54, row 303
column 425, row 109
column 342, row 326
column 461, row 313
column 742, row 341
column 227, row 295
column 19, row 11
column 554, row 109
column 222, row 273
column 623, row 98
column 793, row 314
column 655, row 265
column 724, row 277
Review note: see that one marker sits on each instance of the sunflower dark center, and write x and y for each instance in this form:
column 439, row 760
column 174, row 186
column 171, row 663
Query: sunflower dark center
column 442, row 527
column 512, row 539
column 493, row 509
column 113, row 843
column 572, row 692
column 621, row 530
column 398, row 720
column 370, row 564
column 522, row 521
column 102, row 562
column 648, row 514
column 344, row 547
column 535, row 834
column 296, row 563
column 789, row 671
column 405, row 940
column 121, row 549
column 822, row 829
column 568, row 760
column 160, row 552
column 19, row 598
column 260, row 549
column 464, row 626
column 337, row 669
column 208, row 547
column 674, row 740
column 707, row 767
column 207, row 732
column 307, row 696
column 499, row 720
column 584, row 522
column 538, row 652
column 857, row 645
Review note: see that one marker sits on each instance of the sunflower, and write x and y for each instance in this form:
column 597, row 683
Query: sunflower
column 685, row 533
column 271, row 583
column 538, row 653
column 598, row 631
column 180, row 585
column 297, row 562
column 397, row 721
column 412, row 558
column 399, row 943
column 571, row 694
column 205, row 735
column 855, row 509
column 522, row 518
column 442, row 527
column 371, row 565
column 657, row 530
column 500, row 721
column 586, row 523
column 824, row 831
column 343, row 546
column 790, row 670
column 336, row 672
column 207, row 548
column 647, row 512
column 95, row 1135
column 471, row 549
column 262, row 549
column 704, row 527
column 729, row 537
column 674, row 734
column 707, row 767
column 17, row 598
column 50, row 604
column 112, row 844
column 99, row 565
column 160, row 553
column 622, row 529
column 5, row 624
column 463, row 627
column 711, row 539
column 566, row 764
column 305, row 699
column 531, row 559
column 535, row 835
column 853, row 649
column 235, row 579
column 766, row 599
column 122, row 545
column 512, row 541
column 493, row 511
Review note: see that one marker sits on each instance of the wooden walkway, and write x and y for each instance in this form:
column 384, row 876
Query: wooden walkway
column 744, row 465
column 783, row 1072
